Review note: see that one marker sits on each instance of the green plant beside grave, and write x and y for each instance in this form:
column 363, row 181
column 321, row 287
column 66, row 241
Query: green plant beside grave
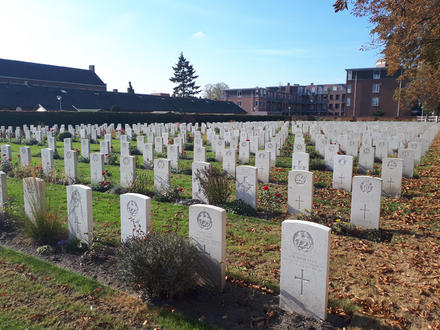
column 161, row 264
column 215, row 184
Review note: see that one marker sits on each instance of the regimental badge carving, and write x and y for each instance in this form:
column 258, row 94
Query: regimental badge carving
column 342, row 161
column 68, row 155
column 95, row 158
column 204, row 220
column 261, row 155
column 132, row 208
column 303, row 241
column 366, row 186
column 299, row 147
column 300, row 179
column 161, row 164
column 269, row 145
column 392, row 164
column 366, row 150
column 229, row 153
column 126, row 160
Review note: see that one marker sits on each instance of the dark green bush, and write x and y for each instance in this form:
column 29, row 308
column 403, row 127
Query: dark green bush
column 64, row 135
column 317, row 164
column 239, row 207
column 188, row 147
column 162, row 265
column 170, row 195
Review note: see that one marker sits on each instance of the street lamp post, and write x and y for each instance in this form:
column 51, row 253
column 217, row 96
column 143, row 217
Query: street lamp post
column 59, row 98
column 289, row 111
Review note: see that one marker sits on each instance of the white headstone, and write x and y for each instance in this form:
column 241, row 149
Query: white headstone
column 300, row 161
column 3, row 191
column 161, row 175
column 392, row 169
column 262, row 163
column 342, row 172
column 207, row 229
column 25, row 156
column 96, row 168
column 34, row 197
column 80, row 212
column 244, row 152
column 147, row 155
column 408, row 156
column 197, row 190
column 305, row 252
column 199, row 154
column 47, row 164
column 128, row 171
column 366, row 158
column 246, row 184
column 135, row 215
column 70, row 166
column 173, row 155
column 365, row 202
column 229, row 161
column 330, row 151
column 85, row 148
column 300, row 191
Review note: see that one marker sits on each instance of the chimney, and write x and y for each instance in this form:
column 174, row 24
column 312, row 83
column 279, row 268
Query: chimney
column 92, row 68
column 115, row 90
column 287, row 89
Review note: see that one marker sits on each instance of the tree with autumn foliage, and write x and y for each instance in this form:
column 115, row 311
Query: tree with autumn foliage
column 408, row 31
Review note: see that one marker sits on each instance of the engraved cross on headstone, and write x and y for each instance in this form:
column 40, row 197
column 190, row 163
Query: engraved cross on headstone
column 365, row 210
column 390, row 181
column 302, row 279
column 341, row 177
column 299, row 201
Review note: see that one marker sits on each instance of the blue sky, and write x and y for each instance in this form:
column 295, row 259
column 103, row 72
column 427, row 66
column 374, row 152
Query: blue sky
column 242, row 43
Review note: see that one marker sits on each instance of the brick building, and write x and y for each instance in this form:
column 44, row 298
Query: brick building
column 290, row 99
column 370, row 92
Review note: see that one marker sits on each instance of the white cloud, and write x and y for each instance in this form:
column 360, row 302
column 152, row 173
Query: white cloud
column 281, row 52
column 198, row 35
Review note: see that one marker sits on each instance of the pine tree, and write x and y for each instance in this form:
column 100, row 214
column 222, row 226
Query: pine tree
column 185, row 78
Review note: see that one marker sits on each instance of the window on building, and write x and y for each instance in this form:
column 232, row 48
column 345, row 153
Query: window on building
column 375, row 101
column 348, row 88
column 376, row 74
column 337, row 106
column 325, row 89
column 331, row 96
column 335, row 88
column 330, row 106
column 256, row 103
column 239, row 103
column 349, row 75
column 338, row 96
column 339, row 88
column 239, row 93
column 348, row 101
column 313, row 90
column 376, row 88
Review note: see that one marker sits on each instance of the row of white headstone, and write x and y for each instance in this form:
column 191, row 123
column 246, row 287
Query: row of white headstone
column 305, row 246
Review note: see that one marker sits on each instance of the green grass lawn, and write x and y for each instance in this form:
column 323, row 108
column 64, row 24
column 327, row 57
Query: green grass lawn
column 36, row 294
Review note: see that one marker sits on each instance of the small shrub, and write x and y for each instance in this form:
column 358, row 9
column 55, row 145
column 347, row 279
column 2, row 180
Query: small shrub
column 111, row 158
column 185, row 155
column 317, row 165
column 82, row 159
column 186, row 171
column 162, row 265
column 7, row 223
column 47, row 229
column 134, row 151
column 239, row 207
column 320, row 185
column 211, row 159
column 188, row 147
column 56, row 155
column 313, row 154
column 105, row 184
column 215, row 185
column 169, row 195
column 141, row 184
column 97, row 249
column 64, row 135
column 6, row 166
column 71, row 245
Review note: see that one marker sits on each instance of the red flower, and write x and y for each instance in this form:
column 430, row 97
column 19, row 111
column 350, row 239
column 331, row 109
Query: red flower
column 339, row 153
column 106, row 155
column 282, row 145
column 103, row 173
column 180, row 189
column 276, row 170
column 278, row 194
column 266, row 187
column 111, row 147
column 103, row 184
column 9, row 159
